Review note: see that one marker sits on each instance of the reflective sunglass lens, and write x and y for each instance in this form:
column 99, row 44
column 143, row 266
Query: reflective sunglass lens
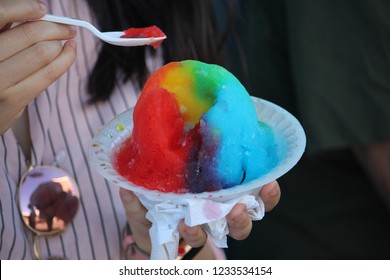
column 48, row 199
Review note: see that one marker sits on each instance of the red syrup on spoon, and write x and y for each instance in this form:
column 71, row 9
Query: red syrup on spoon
column 145, row 32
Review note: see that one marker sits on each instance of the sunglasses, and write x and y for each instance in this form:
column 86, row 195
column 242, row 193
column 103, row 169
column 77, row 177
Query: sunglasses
column 48, row 199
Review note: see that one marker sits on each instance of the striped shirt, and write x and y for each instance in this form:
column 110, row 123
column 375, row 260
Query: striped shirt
column 62, row 123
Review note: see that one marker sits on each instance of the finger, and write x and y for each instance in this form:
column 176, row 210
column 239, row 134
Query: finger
column 27, row 62
column 40, row 80
column 9, row 117
column 135, row 213
column 14, row 11
column 239, row 222
column 27, row 34
column 194, row 236
column 5, row 27
column 270, row 194
column 133, row 207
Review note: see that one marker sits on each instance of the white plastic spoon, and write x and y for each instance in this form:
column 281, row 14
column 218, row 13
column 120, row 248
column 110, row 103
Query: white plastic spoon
column 113, row 37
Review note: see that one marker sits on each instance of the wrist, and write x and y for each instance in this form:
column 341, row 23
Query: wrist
column 131, row 250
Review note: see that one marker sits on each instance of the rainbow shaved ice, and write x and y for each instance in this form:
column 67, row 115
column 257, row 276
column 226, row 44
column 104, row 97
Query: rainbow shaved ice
column 195, row 130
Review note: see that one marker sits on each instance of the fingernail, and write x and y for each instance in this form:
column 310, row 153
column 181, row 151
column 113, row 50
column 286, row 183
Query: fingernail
column 274, row 192
column 127, row 196
column 42, row 6
column 72, row 44
column 72, row 29
column 240, row 217
column 192, row 230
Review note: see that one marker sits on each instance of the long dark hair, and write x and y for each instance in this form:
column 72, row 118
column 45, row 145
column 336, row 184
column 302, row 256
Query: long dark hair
column 191, row 28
